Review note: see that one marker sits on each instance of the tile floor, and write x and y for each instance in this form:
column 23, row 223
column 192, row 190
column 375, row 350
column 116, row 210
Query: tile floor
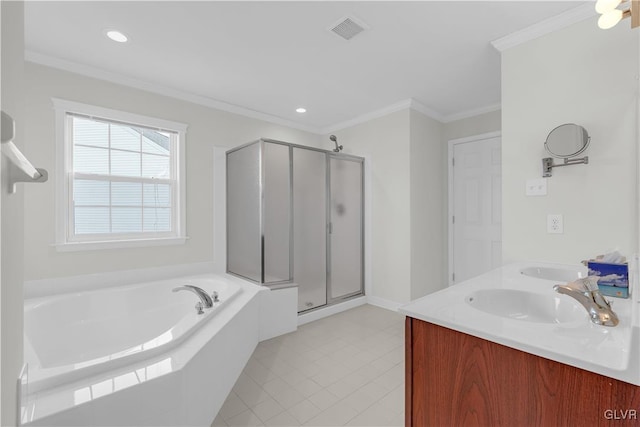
column 347, row 369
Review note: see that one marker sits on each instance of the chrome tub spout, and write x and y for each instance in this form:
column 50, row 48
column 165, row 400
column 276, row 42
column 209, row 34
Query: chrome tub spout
column 205, row 299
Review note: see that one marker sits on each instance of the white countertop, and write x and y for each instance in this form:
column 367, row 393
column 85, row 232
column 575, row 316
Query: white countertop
column 610, row 351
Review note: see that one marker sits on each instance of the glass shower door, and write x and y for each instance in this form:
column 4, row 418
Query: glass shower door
column 346, row 218
column 244, row 195
column 310, row 227
column 276, row 213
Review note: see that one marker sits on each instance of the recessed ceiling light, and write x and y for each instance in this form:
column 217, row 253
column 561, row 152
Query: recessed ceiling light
column 117, row 36
column 301, row 110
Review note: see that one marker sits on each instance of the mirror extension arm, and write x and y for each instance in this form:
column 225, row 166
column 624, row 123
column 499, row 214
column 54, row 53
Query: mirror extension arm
column 547, row 164
column 565, row 142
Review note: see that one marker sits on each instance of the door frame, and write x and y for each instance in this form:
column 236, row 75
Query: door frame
column 449, row 219
column 357, row 159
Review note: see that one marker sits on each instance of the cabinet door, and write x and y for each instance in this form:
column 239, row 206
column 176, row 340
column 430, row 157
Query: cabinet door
column 455, row 379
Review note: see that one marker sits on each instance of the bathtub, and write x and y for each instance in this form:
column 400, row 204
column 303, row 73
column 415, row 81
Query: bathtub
column 140, row 354
column 75, row 335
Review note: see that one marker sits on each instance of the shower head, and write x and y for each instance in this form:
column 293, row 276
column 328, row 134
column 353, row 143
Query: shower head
column 335, row 140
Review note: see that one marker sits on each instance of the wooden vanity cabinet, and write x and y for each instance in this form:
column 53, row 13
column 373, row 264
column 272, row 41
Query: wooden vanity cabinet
column 455, row 379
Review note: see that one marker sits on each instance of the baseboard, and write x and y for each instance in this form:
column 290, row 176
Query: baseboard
column 384, row 303
column 85, row 282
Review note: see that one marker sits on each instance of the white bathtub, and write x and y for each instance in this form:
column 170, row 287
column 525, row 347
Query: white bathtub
column 140, row 354
column 71, row 336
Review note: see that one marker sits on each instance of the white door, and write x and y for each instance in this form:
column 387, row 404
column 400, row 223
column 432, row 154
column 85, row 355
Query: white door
column 477, row 208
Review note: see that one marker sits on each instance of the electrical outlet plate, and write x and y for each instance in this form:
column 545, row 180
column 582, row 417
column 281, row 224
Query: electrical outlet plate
column 555, row 224
column 536, row 187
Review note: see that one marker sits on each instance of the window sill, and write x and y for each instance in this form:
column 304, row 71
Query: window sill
column 119, row 244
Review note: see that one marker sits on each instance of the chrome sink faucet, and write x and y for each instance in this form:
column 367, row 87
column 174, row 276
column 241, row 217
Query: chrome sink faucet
column 587, row 293
column 205, row 299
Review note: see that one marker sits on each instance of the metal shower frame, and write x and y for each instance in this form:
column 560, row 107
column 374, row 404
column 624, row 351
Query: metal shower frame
column 289, row 282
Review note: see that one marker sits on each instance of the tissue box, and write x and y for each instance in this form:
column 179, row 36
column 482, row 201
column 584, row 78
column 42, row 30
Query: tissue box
column 613, row 279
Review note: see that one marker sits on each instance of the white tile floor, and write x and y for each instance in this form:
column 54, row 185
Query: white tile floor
column 347, row 369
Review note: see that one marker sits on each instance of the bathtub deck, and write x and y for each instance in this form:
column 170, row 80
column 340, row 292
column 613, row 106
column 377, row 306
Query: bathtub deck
column 185, row 386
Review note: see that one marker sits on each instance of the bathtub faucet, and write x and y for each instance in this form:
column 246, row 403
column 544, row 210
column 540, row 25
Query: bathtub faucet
column 205, row 300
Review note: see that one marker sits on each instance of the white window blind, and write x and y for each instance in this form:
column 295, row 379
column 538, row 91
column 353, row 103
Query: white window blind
column 123, row 180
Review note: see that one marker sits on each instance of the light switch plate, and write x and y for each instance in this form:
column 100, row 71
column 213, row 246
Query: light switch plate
column 536, row 187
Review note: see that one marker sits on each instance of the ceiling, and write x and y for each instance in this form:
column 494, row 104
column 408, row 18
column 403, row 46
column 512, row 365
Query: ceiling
column 272, row 57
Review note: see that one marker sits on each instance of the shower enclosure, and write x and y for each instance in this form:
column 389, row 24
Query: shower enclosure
column 295, row 215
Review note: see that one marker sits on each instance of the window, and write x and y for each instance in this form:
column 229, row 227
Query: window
column 120, row 178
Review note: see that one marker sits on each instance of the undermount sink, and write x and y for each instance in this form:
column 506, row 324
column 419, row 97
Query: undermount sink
column 555, row 274
column 526, row 306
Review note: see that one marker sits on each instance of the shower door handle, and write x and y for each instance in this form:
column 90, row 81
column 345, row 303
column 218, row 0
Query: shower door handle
column 330, row 227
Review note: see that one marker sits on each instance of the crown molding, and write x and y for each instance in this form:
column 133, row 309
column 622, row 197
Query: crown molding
column 411, row 104
column 86, row 70
column 398, row 106
column 471, row 113
column 555, row 23
column 417, row 106
column 407, row 104
column 421, row 108
column 89, row 71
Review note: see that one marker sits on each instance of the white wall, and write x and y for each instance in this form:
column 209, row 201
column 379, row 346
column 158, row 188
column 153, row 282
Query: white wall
column 475, row 125
column 582, row 75
column 407, row 177
column 385, row 142
column 428, row 179
column 403, row 149
column 207, row 127
column 12, row 210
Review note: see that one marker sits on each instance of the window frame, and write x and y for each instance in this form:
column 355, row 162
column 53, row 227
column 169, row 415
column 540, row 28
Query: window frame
column 66, row 239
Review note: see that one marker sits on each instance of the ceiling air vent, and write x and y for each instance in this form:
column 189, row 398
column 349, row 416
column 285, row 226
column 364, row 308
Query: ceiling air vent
column 348, row 28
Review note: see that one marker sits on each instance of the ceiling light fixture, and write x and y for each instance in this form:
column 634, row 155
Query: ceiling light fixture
column 117, row 36
column 611, row 15
column 604, row 6
column 301, row 110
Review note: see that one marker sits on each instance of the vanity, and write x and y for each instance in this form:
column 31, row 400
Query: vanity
column 504, row 349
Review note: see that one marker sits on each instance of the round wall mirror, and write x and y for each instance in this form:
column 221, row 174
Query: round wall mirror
column 567, row 140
